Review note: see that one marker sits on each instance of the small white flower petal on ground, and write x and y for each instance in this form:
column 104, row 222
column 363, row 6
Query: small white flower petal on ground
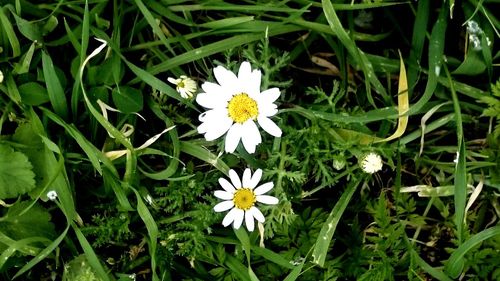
column 243, row 104
column 185, row 86
column 371, row 163
column 242, row 200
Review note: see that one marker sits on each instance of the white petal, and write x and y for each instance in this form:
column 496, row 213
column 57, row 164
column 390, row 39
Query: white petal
column 267, row 199
column 227, row 185
column 257, row 214
column 249, row 220
column 262, row 189
column 215, row 132
column 269, row 126
column 216, row 91
column 244, row 71
column 209, row 100
column 224, row 206
column 233, row 137
column 226, row 78
column 173, row 80
column 253, row 86
column 247, row 176
column 255, row 179
column 270, row 95
column 224, row 195
column 235, row 179
column 230, row 217
column 267, row 110
column 250, row 136
column 238, row 219
column 211, row 119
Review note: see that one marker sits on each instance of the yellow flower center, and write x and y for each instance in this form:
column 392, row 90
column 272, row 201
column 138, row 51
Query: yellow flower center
column 242, row 107
column 244, row 198
column 181, row 84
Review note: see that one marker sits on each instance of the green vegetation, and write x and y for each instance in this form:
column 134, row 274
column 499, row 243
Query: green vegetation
column 383, row 153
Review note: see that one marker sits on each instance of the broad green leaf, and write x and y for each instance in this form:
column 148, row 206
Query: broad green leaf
column 9, row 31
column 54, row 87
column 24, row 63
column 127, row 99
column 30, row 30
column 33, row 93
column 472, row 65
column 16, row 173
column 79, row 269
column 23, row 221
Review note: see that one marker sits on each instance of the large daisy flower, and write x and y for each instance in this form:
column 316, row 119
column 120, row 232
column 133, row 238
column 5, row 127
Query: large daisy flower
column 241, row 196
column 234, row 106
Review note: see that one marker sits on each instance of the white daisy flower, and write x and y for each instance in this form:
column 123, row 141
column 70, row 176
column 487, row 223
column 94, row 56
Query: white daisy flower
column 184, row 86
column 241, row 196
column 52, row 195
column 234, row 104
column 1, row 77
column 371, row 163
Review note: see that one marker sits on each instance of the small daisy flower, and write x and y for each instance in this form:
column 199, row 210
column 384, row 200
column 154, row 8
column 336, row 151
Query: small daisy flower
column 241, row 196
column 184, row 86
column 1, row 77
column 52, row 195
column 235, row 105
column 371, row 163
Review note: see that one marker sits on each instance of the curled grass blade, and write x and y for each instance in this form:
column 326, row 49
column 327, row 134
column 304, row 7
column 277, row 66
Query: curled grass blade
column 403, row 104
column 455, row 264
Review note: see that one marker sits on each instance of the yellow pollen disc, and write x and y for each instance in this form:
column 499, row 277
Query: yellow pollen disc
column 181, row 84
column 244, row 198
column 242, row 107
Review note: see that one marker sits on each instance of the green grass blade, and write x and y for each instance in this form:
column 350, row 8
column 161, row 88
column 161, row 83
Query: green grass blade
column 272, row 256
column 205, row 155
column 54, row 87
column 295, row 273
column 325, row 235
column 90, row 254
column 436, row 52
column 43, row 254
column 18, row 246
column 152, row 228
column 460, row 178
column 95, row 155
column 9, row 30
column 359, row 57
column 417, row 42
column 455, row 264
column 153, row 24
